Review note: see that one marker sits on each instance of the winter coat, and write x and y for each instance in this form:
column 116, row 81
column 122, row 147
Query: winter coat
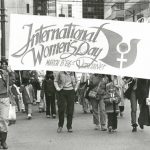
column 142, row 91
column 28, row 98
column 119, row 83
column 112, row 99
column 6, row 80
column 131, row 84
column 98, row 83
column 48, row 88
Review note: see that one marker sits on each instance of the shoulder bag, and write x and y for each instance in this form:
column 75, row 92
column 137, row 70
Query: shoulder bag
column 94, row 93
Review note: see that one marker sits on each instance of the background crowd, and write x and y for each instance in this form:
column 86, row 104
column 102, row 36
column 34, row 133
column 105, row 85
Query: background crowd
column 55, row 93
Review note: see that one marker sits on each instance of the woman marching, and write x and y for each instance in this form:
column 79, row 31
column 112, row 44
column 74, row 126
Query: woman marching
column 98, row 84
column 48, row 90
column 131, row 95
column 142, row 93
column 66, row 86
column 28, row 96
column 6, row 77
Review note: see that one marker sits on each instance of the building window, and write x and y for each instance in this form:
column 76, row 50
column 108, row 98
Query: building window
column 118, row 6
column 70, row 10
column 28, row 8
column 90, row 9
column 120, row 18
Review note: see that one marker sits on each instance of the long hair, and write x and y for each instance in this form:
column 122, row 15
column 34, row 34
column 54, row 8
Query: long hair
column 49, row 75
column 4, row 61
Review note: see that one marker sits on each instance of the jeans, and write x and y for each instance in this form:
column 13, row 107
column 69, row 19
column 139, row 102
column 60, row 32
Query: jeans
column 50, row 104
column 4, row 114
column 112, row 120
column 133, row 102
column 99, row 114
column 28, row 108
column 66, row 105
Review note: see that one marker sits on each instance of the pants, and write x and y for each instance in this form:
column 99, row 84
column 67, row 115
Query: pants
column 17, row 103
column 112, row 120
column 133, row 102
column 99, row 114
column 4, row 114
column 121, row 108
column 50, row 104
column 85, row 104
column 28, row 108
column 66, row 105
column 83, row 101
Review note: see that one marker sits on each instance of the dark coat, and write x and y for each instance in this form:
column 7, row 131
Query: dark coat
column 48, row 88
column 142, row 93
column 131, row 82
column 6, row 80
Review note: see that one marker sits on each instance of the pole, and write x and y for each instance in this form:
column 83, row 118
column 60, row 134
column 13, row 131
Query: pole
column 2, row 30
column 55, row 8
column 133, row 15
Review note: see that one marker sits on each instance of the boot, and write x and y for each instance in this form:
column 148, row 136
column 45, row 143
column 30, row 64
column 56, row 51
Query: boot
column 0, row 141
column 3, row 140
column 134, row 128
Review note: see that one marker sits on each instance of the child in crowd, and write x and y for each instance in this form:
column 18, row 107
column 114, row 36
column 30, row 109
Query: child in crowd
column 28, row 96
column 111, row 100
column 119, row 83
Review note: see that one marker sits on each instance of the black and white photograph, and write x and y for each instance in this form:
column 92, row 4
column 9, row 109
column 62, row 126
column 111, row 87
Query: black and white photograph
column 74, row 74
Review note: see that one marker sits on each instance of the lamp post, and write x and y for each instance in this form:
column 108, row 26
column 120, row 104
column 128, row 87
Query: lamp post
column 3, row 49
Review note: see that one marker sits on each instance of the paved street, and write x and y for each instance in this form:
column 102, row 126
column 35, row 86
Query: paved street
column 40, row 134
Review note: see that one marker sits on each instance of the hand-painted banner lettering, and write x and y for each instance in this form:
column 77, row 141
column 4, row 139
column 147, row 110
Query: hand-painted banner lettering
column 82, row 45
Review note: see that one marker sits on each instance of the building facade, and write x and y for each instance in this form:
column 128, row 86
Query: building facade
column 127, row 10
column 76, row 9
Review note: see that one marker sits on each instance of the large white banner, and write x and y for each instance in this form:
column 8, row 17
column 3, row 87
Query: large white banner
column 81, row 45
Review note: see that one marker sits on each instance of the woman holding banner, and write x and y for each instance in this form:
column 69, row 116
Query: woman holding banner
column 98, row 85
column 66, row 85
column 131, row 95
column 137, row 93
column 143, row 90
column 48, row 90
column 6, row 78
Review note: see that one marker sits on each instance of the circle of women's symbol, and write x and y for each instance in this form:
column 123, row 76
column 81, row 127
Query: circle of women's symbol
column 123, row 49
